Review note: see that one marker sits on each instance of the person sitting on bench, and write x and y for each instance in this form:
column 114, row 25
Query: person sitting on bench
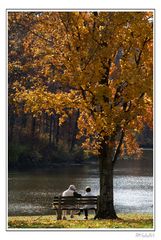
column 87, row 207
column 70, row 192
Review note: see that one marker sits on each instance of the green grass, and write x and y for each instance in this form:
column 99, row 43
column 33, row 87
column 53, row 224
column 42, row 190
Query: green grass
column 126, row 221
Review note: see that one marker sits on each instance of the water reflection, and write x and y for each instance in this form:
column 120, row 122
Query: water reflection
column 32, row 192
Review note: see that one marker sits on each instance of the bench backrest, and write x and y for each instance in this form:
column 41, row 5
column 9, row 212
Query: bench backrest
column 73, row 200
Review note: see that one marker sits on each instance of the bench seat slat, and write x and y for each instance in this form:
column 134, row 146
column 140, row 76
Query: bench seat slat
column 75, row 199
column 72, row 200
column 76, row 208
column 83, row 197
column 76, row 202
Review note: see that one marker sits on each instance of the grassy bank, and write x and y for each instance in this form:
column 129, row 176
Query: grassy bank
column 127, row 221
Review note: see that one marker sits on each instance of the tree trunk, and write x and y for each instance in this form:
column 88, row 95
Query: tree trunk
column 53, row 134
column 57, row 131
column 33, row 129
column 106, row 202
column 50, row 130
column 74, row 132
column 11, row 125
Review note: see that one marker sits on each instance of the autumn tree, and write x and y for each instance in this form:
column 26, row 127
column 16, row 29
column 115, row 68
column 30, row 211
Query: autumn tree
column 106, row 60
column 23, row 74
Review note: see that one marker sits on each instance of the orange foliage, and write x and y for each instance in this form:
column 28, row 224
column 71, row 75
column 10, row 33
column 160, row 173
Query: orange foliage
column 103, row 65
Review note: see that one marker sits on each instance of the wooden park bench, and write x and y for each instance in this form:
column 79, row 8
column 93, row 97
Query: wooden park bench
column 72, row 203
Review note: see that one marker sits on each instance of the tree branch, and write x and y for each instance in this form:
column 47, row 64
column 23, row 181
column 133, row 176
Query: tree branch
column 137, row 59
column 117, row 152
column 36, row 34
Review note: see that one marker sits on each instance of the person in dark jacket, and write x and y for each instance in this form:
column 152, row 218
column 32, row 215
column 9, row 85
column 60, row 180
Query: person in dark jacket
column 87, row 207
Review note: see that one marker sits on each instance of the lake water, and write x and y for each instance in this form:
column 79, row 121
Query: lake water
column 32, row 192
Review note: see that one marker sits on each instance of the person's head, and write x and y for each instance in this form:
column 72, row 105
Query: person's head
column 72, row 187
column 88, row 189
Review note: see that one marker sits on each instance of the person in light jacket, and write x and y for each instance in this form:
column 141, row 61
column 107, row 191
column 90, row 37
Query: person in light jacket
column 70, row 192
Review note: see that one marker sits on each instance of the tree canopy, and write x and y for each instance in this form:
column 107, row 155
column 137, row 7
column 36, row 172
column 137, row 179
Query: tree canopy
column 100, row 63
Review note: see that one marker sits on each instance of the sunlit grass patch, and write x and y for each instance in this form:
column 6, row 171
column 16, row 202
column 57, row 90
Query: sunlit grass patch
column 125, row 221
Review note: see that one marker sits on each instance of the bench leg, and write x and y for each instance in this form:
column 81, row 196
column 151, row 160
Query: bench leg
column 59, row 214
